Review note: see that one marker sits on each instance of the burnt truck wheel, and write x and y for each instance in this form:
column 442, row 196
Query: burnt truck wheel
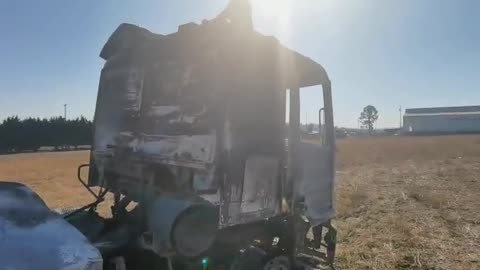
column 254, row 258
column 278, row 263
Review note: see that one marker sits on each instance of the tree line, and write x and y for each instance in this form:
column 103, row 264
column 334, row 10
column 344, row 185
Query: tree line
column 30, row 134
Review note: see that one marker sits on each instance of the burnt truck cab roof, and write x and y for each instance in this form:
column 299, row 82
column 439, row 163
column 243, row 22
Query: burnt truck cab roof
column 199, row 112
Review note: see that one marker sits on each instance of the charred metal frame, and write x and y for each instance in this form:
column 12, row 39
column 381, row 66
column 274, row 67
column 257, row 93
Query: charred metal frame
column 151, row 144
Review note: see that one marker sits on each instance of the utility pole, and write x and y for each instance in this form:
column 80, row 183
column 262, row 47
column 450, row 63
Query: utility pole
column 65, row 111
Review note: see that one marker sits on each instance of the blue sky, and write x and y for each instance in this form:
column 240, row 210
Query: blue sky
column 387, row 53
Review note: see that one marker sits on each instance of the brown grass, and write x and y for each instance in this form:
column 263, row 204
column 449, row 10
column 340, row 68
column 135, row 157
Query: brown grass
column 52, row 175
column 402, row 202
column 409, row 203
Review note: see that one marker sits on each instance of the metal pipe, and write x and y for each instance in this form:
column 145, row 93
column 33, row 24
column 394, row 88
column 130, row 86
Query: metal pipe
column 320, row 125
column 293, row 141
column 294, row 118
column 329, row 126
column 79, row 176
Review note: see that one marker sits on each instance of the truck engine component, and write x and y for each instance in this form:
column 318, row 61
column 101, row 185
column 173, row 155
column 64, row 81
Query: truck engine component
column 178, row 225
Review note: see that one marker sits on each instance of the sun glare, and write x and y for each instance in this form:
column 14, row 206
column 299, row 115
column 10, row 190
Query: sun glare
column 275, row 13
column 273, row 8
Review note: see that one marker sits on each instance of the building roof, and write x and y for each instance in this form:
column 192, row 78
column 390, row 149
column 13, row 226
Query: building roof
column 444, row 110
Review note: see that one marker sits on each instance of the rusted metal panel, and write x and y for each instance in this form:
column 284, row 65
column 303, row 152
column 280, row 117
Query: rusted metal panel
column 260, row 186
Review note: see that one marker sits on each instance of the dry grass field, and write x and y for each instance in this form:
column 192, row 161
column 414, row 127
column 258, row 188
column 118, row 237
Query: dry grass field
column 402, row 202
column 409, row 203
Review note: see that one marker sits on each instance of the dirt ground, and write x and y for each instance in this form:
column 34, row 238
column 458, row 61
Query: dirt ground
column 402, row 202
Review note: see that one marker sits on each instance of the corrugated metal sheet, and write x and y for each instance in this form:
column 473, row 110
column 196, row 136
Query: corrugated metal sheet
column 459, row 109
column 441, row 113
column 442, row 123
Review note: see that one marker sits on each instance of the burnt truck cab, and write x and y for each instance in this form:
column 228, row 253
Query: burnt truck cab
column 191, row 140
column 192, row 127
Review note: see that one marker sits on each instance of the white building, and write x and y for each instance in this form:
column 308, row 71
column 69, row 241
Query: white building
column 442, row 120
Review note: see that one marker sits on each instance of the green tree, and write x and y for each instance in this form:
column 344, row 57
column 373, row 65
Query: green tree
column 10, row 130
column 28, row 135
column 368, row 117
column 31, row 133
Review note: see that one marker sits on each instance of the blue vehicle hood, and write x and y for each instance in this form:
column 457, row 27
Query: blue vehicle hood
column 32, row 237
